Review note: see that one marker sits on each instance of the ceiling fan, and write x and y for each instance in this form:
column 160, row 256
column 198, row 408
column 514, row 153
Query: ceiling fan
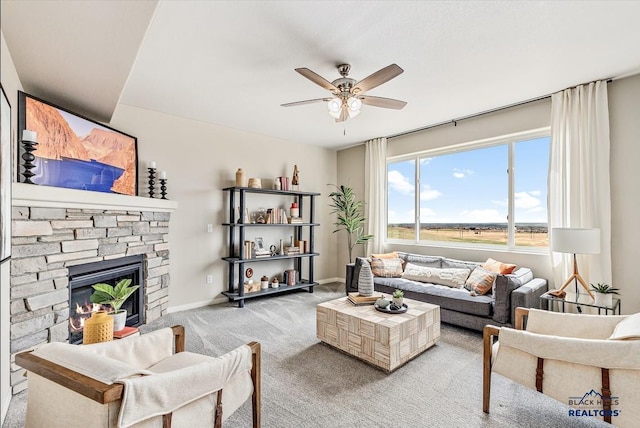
column 348, row 94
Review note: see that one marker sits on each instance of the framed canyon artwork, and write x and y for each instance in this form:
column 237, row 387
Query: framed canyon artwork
column 5, row 176
column 76, row 152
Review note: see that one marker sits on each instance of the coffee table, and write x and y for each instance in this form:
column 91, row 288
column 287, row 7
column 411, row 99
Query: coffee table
column 385, row 340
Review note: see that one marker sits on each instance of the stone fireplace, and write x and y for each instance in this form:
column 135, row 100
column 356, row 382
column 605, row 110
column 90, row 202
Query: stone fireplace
column 57, row 233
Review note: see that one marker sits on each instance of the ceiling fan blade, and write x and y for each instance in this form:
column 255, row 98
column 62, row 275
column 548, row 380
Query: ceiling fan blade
column 377, row 78
column 343, row 115
column 318, row 80
column 382, row 102
column 299, row 103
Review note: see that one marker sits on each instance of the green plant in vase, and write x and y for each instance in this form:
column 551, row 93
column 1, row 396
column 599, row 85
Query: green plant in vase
column 350, row 217
column 398, row 298
column 106, row 294
column 604, row 294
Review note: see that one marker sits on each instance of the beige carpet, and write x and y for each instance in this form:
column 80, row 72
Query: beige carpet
column 309, row 384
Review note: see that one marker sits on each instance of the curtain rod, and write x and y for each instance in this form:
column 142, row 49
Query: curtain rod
column 455, row 121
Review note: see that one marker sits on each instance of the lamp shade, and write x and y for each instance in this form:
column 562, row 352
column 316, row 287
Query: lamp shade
column 576, row 241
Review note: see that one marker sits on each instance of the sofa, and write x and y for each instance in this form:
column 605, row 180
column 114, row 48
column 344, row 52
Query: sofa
column 446, row 282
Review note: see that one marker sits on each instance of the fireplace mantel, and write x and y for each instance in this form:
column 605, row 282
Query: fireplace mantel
column 31, row 195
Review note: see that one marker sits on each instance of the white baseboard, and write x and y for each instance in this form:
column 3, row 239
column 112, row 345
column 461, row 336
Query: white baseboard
column 219, row 300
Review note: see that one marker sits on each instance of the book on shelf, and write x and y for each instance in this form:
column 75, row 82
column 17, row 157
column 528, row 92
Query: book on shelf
column 295, row 220
column 357, row 300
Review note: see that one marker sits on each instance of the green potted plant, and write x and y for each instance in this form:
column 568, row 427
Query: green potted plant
column 350, row 219
column 604, row 294
column 398, row 298
column 115, row 297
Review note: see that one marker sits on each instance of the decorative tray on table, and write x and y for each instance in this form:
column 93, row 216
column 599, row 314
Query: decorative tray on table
column 392, row 309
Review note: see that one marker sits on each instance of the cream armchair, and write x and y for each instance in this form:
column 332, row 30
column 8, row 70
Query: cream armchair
column 589, row 362
column 139, row 382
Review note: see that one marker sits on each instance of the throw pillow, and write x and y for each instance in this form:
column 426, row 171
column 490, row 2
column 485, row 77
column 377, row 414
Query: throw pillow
column 480, row 281
column 498, row 267
column 454, row 278
column 628, row 328
column 387, row 268
column 393, row 255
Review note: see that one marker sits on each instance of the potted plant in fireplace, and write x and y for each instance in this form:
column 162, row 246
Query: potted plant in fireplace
column 115, row 297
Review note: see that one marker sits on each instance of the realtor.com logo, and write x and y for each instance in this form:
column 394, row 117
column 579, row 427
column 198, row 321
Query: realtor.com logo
column 591, row 404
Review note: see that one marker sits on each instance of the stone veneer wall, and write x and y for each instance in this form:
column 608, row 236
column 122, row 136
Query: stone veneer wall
column 46, row 241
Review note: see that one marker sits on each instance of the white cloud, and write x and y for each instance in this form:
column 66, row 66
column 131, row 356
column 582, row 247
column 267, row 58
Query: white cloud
column 462, row 173
column 526, row 200
column 427, row 214
column 425, row 161
column 483, row 216
column 427, row 193
column 394, row 217
column 535, row 192
column 502, row 203
column 400, row 183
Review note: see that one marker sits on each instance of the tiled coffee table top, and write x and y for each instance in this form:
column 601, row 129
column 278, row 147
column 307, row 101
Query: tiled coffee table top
column 384, row 340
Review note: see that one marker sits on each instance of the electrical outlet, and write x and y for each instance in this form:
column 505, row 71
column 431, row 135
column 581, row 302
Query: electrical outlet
column 209, row 279
column 209, row 228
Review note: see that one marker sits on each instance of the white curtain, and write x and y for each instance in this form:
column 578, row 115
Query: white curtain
column 579, row 192
column 374, row 190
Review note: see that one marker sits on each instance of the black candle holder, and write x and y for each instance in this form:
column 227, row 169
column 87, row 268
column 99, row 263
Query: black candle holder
column 163, row 188
column 152, row 182
column 28, row 157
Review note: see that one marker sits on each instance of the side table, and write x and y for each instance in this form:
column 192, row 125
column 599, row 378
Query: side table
column 576, row 301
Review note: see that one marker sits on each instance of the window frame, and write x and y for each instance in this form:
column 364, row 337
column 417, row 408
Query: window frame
column 510, row 140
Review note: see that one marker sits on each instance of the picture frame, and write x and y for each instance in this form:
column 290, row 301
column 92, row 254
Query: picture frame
column 259, row 244
column 76, row 152
column 5, row 176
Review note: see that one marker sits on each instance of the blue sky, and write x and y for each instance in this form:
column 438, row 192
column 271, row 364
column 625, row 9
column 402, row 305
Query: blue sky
column 472, row 186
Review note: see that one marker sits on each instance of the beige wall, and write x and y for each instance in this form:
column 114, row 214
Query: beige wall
column 201, row 159
column 624, row 122
column 11, row 84
column 350, row 173
column 624, row 103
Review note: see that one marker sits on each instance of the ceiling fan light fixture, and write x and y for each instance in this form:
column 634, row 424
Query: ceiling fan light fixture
column 334, row 105
column 354, row 105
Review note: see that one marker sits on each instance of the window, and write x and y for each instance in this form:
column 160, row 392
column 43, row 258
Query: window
column 488, row 193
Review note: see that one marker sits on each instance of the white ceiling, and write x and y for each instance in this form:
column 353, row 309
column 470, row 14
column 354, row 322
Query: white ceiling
column 231, row 63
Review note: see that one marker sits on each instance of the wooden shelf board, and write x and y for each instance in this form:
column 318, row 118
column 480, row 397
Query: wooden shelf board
column 234, row 297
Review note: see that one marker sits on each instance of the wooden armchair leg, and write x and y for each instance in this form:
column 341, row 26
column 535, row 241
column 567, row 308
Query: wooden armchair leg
column 256, row 376
column 487, row 337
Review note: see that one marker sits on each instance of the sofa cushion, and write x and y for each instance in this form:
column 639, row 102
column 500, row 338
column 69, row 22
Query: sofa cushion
column 480, row 281
column 393, row 255
column 419, row 260
column 502, row 288
column 454, row 299
column 628, row 328
column 459, row 264
column 498, row 267
column 387, row 268
column 450, row 277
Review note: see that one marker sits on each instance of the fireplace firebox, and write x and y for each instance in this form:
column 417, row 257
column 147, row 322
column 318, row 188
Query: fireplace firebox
column 82, row 277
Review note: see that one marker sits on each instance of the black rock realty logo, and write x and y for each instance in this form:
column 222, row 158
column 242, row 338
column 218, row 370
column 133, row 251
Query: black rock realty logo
column 591, row 404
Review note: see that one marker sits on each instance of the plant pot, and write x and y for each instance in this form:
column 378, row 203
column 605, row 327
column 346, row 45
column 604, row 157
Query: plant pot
column 603, row 299
column 398, row 301
column 119, row 319
column 348, row 278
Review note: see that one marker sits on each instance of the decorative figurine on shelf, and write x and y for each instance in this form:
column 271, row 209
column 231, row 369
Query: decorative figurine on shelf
column 152, row 175
column 241, row 178
column 163, row 184
column 295, row 181
column 29, row 140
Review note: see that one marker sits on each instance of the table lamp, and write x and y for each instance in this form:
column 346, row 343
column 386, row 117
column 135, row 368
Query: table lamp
column 575, row 241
